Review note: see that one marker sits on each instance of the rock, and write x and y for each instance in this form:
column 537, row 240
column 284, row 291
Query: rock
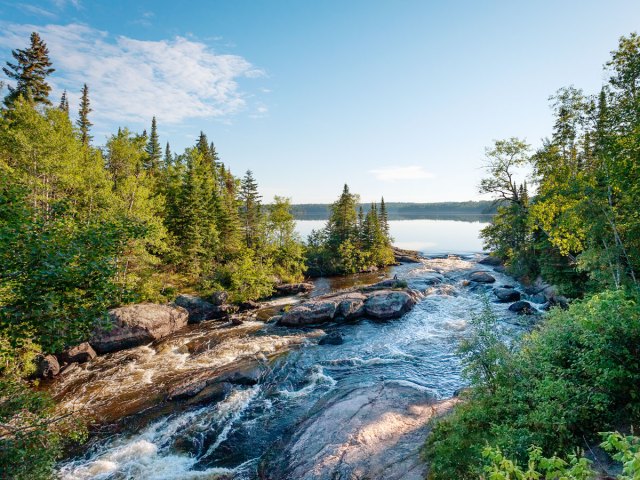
column 500, row 269
column 198, row 308
column 236, row 320
column 538, row 298
column 250, row 305
column 367, row 432
column 135, row 325
column 293, row 288
column 481, row 277
column 406, row 256
column 79, row 354
column 386, row 284
column 370, row 269
column 522, row 308
column 47, row 366
column 506, row 295
column 386, row 304
column 333, row 338
column 219, row 298
column 350, row 306
column 491, row 261
column 508, row 286
column 316, row 311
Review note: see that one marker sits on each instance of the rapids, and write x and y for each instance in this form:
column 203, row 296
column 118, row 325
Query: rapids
column 356, row 410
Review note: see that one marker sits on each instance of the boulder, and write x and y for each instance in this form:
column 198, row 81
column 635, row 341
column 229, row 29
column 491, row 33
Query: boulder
column 350, row 306
column 481, row 277
column 522, row 308
column 79, row 354
column 199, row 309
column 293, row 288
column 490, row 261
column 250, row 305
column 406, row 256
column 386, row 304
column 506, row 295
column 316, row 311
column 333, row 338
column 135, row 325
column 219, row 298
column 47, row 366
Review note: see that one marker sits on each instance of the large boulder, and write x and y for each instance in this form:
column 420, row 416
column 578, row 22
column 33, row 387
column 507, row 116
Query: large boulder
column 79, row 354
column 388, row 304
column 481, row 277
column 522, row 308
column 135, row 325
column 200, row 310
column 293, row 288
column 47, row 366
column 506, row 295
column 219, row 298
column 490, row 261
column 309, row 313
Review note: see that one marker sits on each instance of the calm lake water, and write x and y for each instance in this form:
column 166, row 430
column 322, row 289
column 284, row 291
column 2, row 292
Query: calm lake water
column 430, row 236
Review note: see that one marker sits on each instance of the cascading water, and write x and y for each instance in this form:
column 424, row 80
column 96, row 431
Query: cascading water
column 292, row 422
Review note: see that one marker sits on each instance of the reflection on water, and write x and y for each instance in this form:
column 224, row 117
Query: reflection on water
column 429, row 236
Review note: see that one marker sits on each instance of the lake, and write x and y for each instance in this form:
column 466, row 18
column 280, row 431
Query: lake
column 429, row 236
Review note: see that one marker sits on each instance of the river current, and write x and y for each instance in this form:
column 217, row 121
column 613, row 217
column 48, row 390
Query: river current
column 266, row 429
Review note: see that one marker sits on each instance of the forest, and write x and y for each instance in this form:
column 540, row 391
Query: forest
column 537, row 408
column 86, row 227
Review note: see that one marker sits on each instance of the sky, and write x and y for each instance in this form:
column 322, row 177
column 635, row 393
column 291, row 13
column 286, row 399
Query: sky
column 396, row 98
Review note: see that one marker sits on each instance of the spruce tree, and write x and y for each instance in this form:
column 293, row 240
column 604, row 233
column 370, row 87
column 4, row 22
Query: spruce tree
column 64, row 103
column 153, row 149
column 83, row 122
column 168, row 156
column 251, row 209
column 384, row 217
column 30, row 71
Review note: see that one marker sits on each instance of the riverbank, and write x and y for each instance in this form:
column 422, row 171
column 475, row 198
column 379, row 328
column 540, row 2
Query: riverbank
column 214, row 400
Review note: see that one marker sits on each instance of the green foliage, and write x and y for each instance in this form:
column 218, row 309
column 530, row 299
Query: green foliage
column 625, row 449
column 32, row 433
column 351, row 241
column 538, row 467
column 576, row 375
column 30, row 71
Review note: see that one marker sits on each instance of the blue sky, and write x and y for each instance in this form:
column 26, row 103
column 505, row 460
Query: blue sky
column 396, row 98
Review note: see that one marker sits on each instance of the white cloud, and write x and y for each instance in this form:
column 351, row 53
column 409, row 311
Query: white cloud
column 396, row 173
column 64, row 3
column 35, row 10
column 131, row 80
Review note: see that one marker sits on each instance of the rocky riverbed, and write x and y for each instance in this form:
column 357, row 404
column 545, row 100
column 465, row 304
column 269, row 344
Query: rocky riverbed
column 339, row 385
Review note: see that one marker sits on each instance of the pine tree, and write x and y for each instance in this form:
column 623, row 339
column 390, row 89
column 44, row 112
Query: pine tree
column 83, row 122
column 30, row 72
column 251, row 209
column 168, row 156
column 384, row 218
column 153, row 149
column 64, row 103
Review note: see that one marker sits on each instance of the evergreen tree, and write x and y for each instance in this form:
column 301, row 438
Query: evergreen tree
column 384, row 218
column 153, row 149
column 30, row 71
column 83, row 123
column 64, row 103
column 250, row 209
column 168, row 156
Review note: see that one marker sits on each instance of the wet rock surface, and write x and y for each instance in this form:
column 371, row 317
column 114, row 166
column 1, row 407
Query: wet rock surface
column 481, row 277
column 293, row 288
column 368, row 432
column 200, row 309
column 506, row 295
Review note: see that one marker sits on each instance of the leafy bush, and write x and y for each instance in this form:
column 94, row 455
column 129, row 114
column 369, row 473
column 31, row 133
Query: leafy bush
column 577, row 375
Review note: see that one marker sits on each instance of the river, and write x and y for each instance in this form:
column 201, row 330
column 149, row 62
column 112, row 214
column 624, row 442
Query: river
column 355, row 410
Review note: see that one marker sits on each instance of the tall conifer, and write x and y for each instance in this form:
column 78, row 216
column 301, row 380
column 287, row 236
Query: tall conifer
column 83, row 123
column 30, row 71
column 153, row 149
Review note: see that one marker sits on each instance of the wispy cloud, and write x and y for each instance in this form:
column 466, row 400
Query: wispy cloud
column 64, row 3
column 132, row 80
column 35, row 10
column 398, row 173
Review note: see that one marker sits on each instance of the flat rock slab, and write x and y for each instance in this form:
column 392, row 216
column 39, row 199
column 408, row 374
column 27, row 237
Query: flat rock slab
column 373, row 432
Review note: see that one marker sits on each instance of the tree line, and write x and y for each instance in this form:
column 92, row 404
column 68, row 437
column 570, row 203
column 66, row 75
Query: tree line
column 535, row 407
column 84, row 228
